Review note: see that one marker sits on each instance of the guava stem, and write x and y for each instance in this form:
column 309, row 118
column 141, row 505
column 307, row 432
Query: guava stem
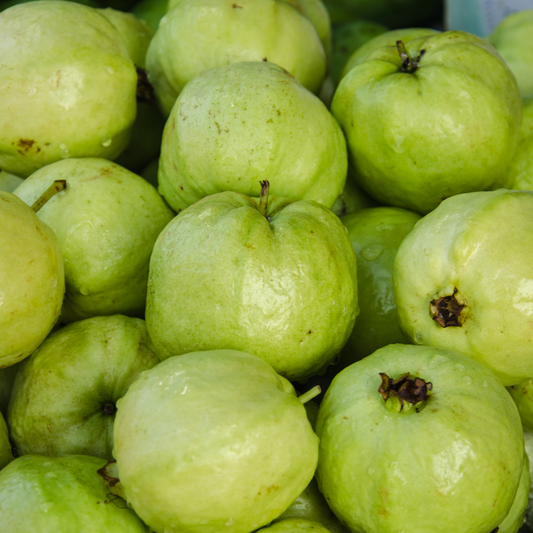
column 263, row 198
column 408, row 65
column 57, row 186
column 401, row 394
column 310, row 394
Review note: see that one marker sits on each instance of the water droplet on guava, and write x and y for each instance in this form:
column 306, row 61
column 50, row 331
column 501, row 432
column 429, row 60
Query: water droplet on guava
column 372, row 252
column 106, row 143
column 109, row 70
column 84, row 291
column 467, row 380
column 460, row 367
column 427, row 251
column 45, row 507
column 50, row 474
column 437, row 360
column 485, row 384
column 371, row 471
column 229, row 522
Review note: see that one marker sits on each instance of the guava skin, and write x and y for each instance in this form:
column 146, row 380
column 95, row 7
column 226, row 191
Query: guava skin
column 284, row 289
column 32, row 279
column 7, row 378
column 517, row 514
column 196, row 35
column 46, row 94
column 6, row 455
column 235, row 125
column 9, row 182
column 65, row 394
column 451, row 464
column 449, row 127
column 106, row 221
column 522, row 394
column 353, row 198
column 521, row 168
column 474, row 251
column 388, row 38
column 61, row 494
column 375, row 235
column 212, row 441
column 513, row 38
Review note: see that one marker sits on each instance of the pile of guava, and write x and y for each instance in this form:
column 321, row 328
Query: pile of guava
column 265, row 266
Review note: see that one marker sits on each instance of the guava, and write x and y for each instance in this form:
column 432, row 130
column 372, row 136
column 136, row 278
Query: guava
column 6, row 454
column 462, row 280
column 517, row 514
column 63, row 495
column 9, row 182
column 522, row 394
column 428, row 119
column 353, row 198
column 311, row 505
column 235, row 125
column 419, row 439
column 65, row 394
column 274, row 278
column 212, row 441
column 151, row 11
column 513, row 38
column 46, row 94
column 375, row 234
column 106, row 222
column 521, row 168
column 32, row 279
column 196, row 35
column 388, row 38
column 7, row 378
column 293, row 525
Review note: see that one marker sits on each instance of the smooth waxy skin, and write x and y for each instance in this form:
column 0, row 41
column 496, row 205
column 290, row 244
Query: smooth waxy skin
column 46, row 94
column 197, row 35
column 517, row 513
column 9, row 182
column 480, row 244
column 212, row 441
column 32, row 279
column 238, row 124
column 513, row 38
column 388, row 38
column 521, row 168
column 375, row 235
column 59, row 400
column 223, row 276
column 449, row 127
column 106, row 220
column 453, row 466
column 61, row 494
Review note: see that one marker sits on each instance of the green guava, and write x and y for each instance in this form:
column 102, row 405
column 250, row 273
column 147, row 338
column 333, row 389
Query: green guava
column 277, row 281
column 151, row 11
column 7, row 378
column 522, row 394
column 375, row 234
column 513, row 38
column 463, row 280
column 196, row 35
column 32, row 279
column 434, row 118
column 521, row 168
column 106, row 222
column 46, row 94
column 65, row 394
column 311, row 505
column 353, row 198
column 63, row 495
column 388, row 38
column 349, row 37
column 6, row 454
column 293, row 525
column 419, row 439
column 9, row 182
column 235, row 125
column 212, row 441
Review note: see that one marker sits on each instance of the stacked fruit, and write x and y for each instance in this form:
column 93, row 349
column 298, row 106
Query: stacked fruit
column 160, row 335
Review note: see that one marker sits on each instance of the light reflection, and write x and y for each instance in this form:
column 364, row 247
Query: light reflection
column 523, row 300
column 448, row 465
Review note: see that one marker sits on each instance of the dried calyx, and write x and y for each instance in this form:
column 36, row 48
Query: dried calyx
column 447, row 311
column 263, row 199
column 404, row 393
column 409, row 64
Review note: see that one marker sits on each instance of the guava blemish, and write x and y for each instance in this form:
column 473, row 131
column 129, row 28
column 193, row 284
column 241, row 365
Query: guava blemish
column 235, row 6
column 404, row 392
column 26, row 144
column 446, row 311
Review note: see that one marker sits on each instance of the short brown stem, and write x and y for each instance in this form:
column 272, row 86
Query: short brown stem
column 57, row 186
